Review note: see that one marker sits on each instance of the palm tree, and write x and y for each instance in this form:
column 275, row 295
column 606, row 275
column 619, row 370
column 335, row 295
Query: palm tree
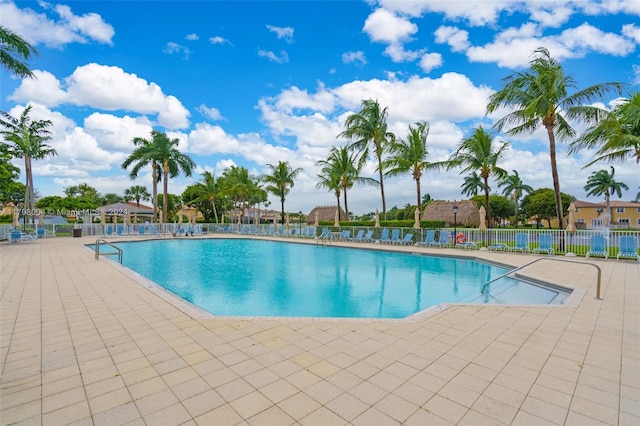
column 13, row 49
column 329, row 178
column 410, row 155
column 281, row 180
column 26, row 139
column 513, row 186
column 142, row 156
column 480, row 153
column 616, row 133
column 601, row 182
column 137, row 192
column 472, row 183
column 367, row 130
column 343, row 164
column 539, row 97
column 242, row 188
column 208, row 190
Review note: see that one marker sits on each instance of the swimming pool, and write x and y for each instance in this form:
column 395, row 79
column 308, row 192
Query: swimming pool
column 248, row 277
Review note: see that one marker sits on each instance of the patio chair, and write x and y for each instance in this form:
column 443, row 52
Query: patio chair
column 140, row 230
column 15, row 237
column 544, row 245
column 443, row 240
column 42, row 233
column 429, row 238
column 522, row 243
column 109, row 231
column 406, row 240
column 368, row 237
column 358, row 236
column 498, row 247
column 345, row 235
column 384, row 237
column 467, row 245
column 395, row 236
column 628, row 247
column 598, row 247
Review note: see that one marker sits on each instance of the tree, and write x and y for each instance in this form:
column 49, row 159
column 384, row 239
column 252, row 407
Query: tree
column 206, row 191
column 142, row 156
column 539, row 97
column 342, row 163
column 330, row 178
column 367, row 130
column 85, row 191
column 514, row 187
column 280, row 181
column 500, row 206
column 480, row 153
column 26, row 140
column 541, row 204
column 14, row 50
column 616, row 133
column 112, row 198
column 242, row 188
column 10, row 188
column 137, row 192
column 603, row 183
column 472, row 183
column 410, row 155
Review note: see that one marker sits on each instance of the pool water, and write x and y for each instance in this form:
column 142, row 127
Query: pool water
column 270, row 278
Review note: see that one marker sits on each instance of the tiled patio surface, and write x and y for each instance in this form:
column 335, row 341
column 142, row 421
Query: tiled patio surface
column 84, row 343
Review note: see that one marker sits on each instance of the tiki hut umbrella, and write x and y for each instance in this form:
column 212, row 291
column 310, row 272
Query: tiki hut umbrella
column 127, row 219
column 103, row 220
column 416, row 215
column 571, row 227
column 160, row 216
column 16, row 217
column 180, row 218
column 483, row 214
column 115, row 218
column 377, row 223
column 41, row 218
column 222, row 219
column 239, row 218
column 287, row 220
column 316, row 223
column 135, row 217
column 336, row 222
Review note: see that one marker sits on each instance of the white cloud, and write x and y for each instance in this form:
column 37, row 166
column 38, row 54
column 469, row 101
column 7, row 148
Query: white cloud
column 477, row 13
column 116, row 133
column 44, row 88
column 550, row 14
column 456, row 38
column 351, row 57
column 283, row 58
column 387, row 27
column 38, row 28
column 172, row 48
column 285, row 33
column 632, row 31
column 218, row 40
column 430, row 61
column 192, row 37
column 210, row 112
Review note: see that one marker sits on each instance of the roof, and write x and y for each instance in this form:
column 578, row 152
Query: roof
column 325, row 214
column 123, row 208
column 612, row 203
column 468, row 212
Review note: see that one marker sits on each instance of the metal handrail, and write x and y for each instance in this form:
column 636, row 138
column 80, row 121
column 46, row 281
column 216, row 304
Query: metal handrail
column 549, row 258
column 118, row 249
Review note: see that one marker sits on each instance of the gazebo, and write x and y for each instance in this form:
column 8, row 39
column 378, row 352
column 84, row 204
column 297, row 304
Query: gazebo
column 325, row 214
column 468, row 212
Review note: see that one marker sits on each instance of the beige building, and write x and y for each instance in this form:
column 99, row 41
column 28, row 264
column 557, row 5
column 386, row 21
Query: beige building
column 624, row 215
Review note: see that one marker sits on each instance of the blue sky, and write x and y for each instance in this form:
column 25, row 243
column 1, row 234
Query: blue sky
column 250, row 83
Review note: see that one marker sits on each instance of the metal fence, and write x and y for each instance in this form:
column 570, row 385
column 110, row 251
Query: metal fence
column 562, row 241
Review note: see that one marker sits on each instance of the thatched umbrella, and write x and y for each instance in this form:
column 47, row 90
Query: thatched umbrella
column 115, row 218
column 287, row 220
column 222, row 219
column 135, row 217
column 377, row 222
column 483, row 221
column 571, row 227
column 179, row 218
column 316, row 223
column 16, row 217
column 336, row 222
column 416, row 215
column 103, row 220
column 41, row 218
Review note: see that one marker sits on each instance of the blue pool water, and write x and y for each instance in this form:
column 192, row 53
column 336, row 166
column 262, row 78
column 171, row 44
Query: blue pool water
column 270, row 278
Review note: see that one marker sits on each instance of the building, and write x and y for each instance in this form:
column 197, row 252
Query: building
column 624, row 215
column 325, row 214
column 468, row 212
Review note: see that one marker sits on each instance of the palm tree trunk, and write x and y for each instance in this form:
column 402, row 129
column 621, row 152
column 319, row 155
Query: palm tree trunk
column 419, row 199
column 608, row 199
column 515, row 199
column 346, row 206
column 165, row 191
column 154, row 176
column 282, row 208
column 338, row 199
column 486, row 201
column 215, row 212
column 384, row 204
column 554, row 174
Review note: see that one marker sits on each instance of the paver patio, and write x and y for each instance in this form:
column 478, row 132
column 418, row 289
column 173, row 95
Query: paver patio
column 86, row 342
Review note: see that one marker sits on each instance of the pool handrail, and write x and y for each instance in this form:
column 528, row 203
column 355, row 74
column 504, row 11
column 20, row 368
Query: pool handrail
column 548, row 258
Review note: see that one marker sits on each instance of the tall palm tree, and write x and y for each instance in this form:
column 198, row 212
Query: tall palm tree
column 344, row 164
column 514, row 187
column 281, row 180
column 137, row 192
column 26, row 139
column 13, row 50
column 480, row 153
column 472, row 183
column 410, row 155
column 603, row 183
column 616, row 133
column 240, row 186
column 539, row 97
column 329, row 178
column 367, row 130
column 208, row 190
column 143, row 156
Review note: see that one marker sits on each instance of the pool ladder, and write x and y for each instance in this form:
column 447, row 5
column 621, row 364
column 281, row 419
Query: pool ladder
column 118, row 250
column 485, row 287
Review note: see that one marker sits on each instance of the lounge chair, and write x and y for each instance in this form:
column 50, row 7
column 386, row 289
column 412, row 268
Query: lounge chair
column 358, row 236
column 15, row 237
column 498, row 247
column 395, row 236
column 345, row 235
column 544, row 245
column 429, row 238
column 443, row 240
column 368, row 237
column 522, row 243
column 140, row 230
column 324, row 235
column 467, row 245
column 406, row 240
column 42, row 233
column 384, row 237
column 628, row 247
column 598, row 247
column 109, row 231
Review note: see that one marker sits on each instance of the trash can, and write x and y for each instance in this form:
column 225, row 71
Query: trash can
column 77, row 232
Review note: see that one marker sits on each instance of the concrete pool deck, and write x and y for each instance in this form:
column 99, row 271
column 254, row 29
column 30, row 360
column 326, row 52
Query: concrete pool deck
column 83, row 342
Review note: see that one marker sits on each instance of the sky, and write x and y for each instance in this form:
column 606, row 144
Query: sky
column 251, row 83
